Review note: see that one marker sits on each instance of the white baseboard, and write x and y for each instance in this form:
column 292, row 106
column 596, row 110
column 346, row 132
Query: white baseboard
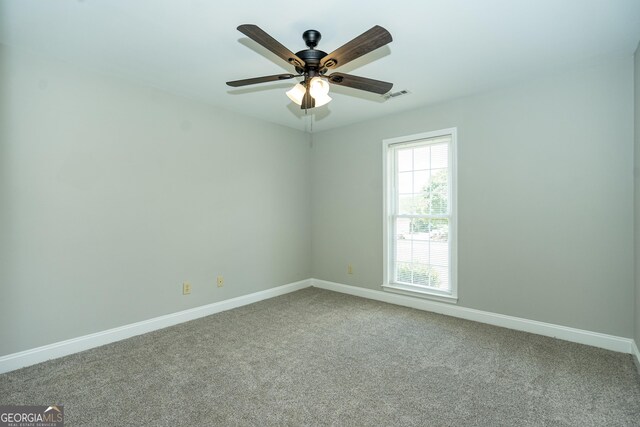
column 595, row 339
column 63, row 348
column 636, row 355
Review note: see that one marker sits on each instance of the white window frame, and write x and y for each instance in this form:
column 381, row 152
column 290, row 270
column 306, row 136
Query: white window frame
column 388, row 146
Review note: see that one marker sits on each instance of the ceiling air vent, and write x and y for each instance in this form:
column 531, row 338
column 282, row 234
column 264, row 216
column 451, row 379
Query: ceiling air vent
column 396, row 94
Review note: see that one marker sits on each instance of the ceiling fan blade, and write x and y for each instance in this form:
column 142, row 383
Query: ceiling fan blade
column 362, row 83
column 366, row 42
column 256, row 34
column 275, row 77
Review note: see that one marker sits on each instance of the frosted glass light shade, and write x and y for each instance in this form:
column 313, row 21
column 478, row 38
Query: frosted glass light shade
column 322, row 100
column 296, row 93
column 318, row 88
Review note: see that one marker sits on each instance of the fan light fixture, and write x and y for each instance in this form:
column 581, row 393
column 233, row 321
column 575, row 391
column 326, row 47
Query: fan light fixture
column 318, row 89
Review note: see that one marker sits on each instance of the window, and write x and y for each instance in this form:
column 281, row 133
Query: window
column 420, row 215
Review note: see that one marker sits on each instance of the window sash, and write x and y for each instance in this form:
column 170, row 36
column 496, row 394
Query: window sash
column 430, row 265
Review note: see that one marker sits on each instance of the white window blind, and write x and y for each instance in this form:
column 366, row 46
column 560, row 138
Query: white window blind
column 420, row 214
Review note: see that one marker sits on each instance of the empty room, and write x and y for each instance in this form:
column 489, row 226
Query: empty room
column 412, row 213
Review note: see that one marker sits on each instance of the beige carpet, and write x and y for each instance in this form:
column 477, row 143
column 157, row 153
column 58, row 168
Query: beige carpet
column 316, row 357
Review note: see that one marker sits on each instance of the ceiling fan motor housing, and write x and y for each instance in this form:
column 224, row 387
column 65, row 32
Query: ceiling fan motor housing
column 311, row 56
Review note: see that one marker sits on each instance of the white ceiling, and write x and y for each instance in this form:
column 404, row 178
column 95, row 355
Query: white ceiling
column 441, row 49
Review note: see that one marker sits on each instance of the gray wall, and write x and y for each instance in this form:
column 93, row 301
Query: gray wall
column 545, row 198
column 111, row 195
column 636, row 173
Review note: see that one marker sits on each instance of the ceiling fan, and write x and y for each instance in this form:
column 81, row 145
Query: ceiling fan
column 312, row 65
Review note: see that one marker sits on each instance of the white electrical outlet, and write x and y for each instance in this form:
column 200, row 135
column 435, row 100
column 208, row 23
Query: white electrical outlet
column 220, row 281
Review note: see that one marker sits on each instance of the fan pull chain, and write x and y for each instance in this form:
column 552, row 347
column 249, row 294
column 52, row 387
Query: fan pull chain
column 306, row 113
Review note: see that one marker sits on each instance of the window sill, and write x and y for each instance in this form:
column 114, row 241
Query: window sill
column 420, row 293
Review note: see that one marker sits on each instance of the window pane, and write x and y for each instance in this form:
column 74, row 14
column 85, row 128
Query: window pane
column 421, row 158
column 403, row 272
column 423, row 275
column 440, row 278
column 439, row 156
column 421, row 203
column 406, row 204
column 420, row 252
column 420, row 181
column 403, row 250
column 405, row 160
column 439, row 230
column 438, row 192
column 405, row 182
column 403, row 228
column 420, row 228
column 420, row 274
column 439, row 253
